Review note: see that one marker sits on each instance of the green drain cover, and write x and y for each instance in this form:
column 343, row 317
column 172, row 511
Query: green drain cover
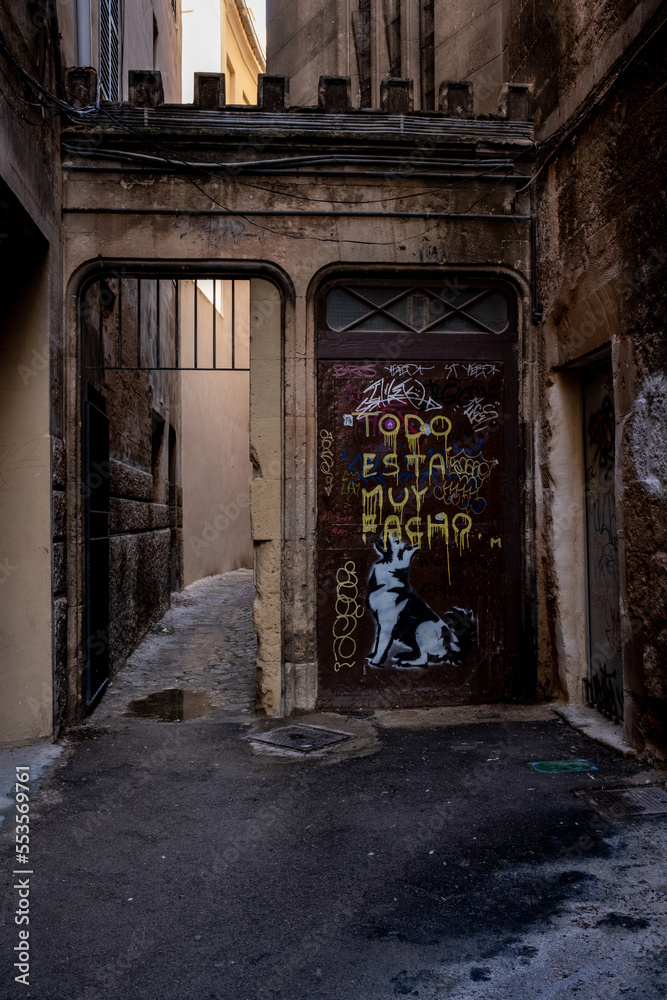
column 562, row 766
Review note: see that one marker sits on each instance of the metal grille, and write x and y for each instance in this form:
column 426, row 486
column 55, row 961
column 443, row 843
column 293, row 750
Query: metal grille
column 303, row 739
column 625, row 803
column 451, row 308
column 109, row 51
column 165, row 324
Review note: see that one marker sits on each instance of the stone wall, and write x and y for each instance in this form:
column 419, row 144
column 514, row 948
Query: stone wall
column 143, row 409
column 601, row 262
column 30, row 368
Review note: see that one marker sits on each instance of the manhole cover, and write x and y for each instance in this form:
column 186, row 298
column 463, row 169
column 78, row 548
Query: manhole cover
column 621, row 803
column 562, row 766
column 305, row 739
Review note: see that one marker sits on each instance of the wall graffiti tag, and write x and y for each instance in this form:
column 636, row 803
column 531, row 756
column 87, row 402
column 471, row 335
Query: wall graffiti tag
column 326, row 459
column 348, row 610
column 412, row 530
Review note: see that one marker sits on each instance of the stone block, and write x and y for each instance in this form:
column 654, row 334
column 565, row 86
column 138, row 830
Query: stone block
column 145, row 88
column 209, row 91
column 58, row 464
column 396, row 96
column 334, row 94
column 516, row 102
column 129, row 482
column 136, row 515
column 139, row 587
column 265, row 447
column 272, row 92
column 456, row 99
column 269, row 685
column 58, row 568
column 60, row 663
column 300, row 687
column 59, row 514
column 265, row 509
column 81, row 86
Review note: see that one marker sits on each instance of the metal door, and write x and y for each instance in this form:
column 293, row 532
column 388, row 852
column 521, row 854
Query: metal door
column 418, row 548
column 605, row 677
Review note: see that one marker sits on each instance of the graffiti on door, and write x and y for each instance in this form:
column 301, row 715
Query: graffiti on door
column 411, row 529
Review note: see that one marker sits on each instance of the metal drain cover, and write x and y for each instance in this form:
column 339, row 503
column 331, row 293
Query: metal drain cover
column 623, row 803
column 305, row 739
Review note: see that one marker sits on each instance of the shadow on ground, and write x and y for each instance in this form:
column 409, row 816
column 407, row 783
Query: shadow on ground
column 178, row 859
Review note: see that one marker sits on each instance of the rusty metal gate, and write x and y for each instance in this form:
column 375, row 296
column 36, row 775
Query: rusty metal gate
column 418, row 509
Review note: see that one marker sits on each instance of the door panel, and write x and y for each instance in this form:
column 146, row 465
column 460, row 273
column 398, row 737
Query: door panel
column 418, row 529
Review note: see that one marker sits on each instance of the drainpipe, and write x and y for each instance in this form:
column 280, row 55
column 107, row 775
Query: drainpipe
column 83, row 32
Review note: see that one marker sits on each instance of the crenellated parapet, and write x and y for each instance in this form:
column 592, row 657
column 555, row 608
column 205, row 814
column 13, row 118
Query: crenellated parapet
column 455, row 100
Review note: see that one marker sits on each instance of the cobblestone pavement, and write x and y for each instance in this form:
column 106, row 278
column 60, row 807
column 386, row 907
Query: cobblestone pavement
column 421, row 857
column 205, row 642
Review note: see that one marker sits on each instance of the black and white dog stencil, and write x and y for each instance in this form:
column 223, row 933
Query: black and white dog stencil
column 404, row 618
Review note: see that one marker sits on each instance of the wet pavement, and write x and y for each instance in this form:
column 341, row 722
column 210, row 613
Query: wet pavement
column 421, row 856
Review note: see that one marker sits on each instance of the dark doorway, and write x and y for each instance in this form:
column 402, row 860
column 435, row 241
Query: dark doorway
column 604, row 684
column 166, row 452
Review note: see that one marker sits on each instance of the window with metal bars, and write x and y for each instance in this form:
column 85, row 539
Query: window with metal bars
column 109, row 48
column 449, row 307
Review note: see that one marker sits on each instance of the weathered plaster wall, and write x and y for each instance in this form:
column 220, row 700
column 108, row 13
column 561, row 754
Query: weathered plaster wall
column 240, row 57
column 303, row 43
column 601, row 261
column 141, row 51
column 566, row 47
column 25, row 514
column 470, row 44
column 31, row 296
column 215, row 450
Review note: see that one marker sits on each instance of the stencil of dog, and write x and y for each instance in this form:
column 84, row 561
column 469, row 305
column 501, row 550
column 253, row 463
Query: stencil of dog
column 403, row 617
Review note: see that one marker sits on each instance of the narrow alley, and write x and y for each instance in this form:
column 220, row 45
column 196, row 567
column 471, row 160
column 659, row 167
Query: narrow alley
column 421, row 856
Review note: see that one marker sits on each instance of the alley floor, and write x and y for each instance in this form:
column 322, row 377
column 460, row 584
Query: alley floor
column 422, row 856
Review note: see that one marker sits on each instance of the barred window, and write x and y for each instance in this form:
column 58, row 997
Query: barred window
column 109, row 49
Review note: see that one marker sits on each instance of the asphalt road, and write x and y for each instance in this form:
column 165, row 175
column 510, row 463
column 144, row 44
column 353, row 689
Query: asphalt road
column 180, row 860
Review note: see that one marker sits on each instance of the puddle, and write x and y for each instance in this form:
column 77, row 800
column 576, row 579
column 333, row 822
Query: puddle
column 172, row 705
